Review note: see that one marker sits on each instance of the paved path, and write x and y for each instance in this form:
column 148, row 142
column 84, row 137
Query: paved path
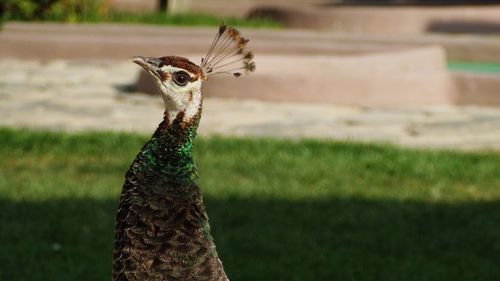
column 86, row 95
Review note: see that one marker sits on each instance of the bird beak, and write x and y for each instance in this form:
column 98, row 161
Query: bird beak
column 140, row 61
column 143, row 61
column 148, row 63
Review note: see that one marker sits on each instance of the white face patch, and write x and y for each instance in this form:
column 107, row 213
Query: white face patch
column 180, row 98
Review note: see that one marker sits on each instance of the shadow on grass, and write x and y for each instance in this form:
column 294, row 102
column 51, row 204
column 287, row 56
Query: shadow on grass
column 275, row 240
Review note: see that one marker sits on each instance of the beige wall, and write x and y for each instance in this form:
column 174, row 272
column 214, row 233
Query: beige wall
column 402, row 20
column 239, row 8
column 361, row 20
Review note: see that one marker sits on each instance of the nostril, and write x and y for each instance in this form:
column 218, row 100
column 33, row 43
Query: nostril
column 154, row 61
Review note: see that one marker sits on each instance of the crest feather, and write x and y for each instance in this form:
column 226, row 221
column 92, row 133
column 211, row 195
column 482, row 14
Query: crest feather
column 228, row 54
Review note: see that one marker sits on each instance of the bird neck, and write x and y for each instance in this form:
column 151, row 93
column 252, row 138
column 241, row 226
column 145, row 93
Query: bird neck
column 166, row 161
column 187, row 103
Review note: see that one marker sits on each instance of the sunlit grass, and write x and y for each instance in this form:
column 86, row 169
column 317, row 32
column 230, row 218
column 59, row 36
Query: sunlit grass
column 157, row 18
column 479, row 67
column 280, row 210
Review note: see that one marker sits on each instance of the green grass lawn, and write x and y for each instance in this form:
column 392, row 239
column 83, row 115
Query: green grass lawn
column 280, row 210
column 479, row 67
column 157, row 18
column 188, row 19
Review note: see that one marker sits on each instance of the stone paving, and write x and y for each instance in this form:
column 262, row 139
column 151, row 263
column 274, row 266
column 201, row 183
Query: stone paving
column 98, row 95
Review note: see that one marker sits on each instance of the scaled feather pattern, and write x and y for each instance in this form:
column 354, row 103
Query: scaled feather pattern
column 162, row 229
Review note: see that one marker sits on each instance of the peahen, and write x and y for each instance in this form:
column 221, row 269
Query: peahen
column 162, row 229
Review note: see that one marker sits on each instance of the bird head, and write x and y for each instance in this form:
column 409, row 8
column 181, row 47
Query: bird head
column 179, row 80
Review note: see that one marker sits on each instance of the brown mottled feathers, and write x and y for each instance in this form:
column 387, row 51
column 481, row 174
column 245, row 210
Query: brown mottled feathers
column 163, row 240
column 162, row 229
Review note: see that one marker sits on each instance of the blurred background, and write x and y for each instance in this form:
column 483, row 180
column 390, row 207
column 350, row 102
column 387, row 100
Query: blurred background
column 364, row 147
column 422, row 73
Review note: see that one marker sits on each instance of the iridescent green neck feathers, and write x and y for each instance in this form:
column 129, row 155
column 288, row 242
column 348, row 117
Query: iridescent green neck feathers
column 166, row 160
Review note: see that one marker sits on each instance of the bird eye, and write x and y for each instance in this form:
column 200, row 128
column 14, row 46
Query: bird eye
column 181, row 78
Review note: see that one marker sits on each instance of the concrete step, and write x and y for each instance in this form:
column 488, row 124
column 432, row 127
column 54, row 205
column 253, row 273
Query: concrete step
column 410, row 77
column 292, row 65
column 477, row 88
column 112, row 41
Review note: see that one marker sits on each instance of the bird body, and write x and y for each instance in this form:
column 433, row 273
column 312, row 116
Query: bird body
column 162, row 229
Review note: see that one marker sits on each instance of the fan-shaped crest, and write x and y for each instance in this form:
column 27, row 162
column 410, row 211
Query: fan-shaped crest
column 227, row 54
